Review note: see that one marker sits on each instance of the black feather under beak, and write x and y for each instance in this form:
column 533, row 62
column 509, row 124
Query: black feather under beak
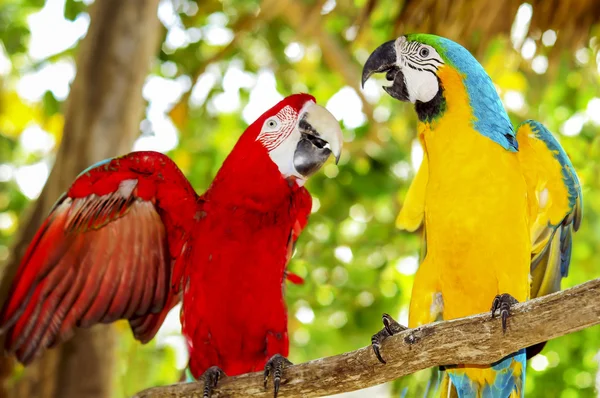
column 311, row 152
column 384, row 59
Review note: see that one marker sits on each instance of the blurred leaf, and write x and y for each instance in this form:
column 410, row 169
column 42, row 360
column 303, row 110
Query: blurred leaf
column 73, row 8
column 15, row 114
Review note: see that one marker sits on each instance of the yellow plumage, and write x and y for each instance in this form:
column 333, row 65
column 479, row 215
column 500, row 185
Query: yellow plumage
column 493, row 206
column 478, row 195
column 487, row 213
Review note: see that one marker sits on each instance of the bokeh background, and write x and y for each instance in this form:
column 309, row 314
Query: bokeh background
column 211, row 67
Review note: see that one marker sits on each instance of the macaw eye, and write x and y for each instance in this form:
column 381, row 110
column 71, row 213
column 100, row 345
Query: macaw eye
column 272, row 124
column 424, row 52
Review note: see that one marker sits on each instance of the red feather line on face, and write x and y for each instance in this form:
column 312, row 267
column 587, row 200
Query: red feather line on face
column 272, row 139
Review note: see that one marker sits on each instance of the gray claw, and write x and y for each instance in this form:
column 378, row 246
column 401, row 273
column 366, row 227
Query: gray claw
column 275, row 366
column 503, row 303
column 211, row 377
column 391, row 327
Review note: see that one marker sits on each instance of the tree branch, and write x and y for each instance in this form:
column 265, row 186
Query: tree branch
column 474, row 340
column 245, row 24
column 336, row 57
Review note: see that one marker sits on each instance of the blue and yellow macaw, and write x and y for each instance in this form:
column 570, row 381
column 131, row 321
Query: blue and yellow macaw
column 497, row 208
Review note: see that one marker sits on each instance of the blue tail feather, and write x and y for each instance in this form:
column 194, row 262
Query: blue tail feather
column 506, row 381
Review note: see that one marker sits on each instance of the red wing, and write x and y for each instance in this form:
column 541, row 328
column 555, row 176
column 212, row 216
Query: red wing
column 107, row 251
column 145, row 327
column 303, row 206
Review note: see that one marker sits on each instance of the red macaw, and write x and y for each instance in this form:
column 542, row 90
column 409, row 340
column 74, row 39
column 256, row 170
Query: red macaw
column 131, row 238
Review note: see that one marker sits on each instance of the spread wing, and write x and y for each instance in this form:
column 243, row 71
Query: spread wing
column 555, row 205
column 113, row 247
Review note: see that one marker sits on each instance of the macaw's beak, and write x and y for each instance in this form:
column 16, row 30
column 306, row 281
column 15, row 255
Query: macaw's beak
column 321, row 136
column 384, row 59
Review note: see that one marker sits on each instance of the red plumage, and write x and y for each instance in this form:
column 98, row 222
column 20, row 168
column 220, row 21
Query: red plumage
column 131, row 237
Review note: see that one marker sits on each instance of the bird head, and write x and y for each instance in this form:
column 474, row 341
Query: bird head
column 299, row 136
column 438, row 75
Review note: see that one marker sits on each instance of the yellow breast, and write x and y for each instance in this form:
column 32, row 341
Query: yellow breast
column 476, row 211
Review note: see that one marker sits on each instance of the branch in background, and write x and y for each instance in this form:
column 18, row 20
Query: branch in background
column 336, row 57
column 244, row 24
column 364, row 15
column 306, row 22
column 474, row 340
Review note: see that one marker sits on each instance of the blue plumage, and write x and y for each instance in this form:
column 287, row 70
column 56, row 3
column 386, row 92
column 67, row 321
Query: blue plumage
column 569, row 176
column 573, row 188
column 505, row 383
column 491, row 118
column 100, row 163
column 566, row 244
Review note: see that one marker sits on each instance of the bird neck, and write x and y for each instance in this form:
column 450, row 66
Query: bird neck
column 455, row 140
column 249, row 178
column 470, row 97
column 429, row 112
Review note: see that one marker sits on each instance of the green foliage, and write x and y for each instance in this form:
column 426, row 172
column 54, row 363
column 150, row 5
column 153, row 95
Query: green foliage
column 13, row 26
column 358, row 200
column 73, row 8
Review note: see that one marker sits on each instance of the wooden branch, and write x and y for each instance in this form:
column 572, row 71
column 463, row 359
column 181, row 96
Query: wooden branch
column 476, row 339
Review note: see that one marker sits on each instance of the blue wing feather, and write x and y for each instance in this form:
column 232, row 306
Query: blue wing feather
column 570, row 178
column 550, row 265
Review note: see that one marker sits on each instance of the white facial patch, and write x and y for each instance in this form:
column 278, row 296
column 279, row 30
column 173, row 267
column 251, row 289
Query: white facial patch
column 421, row 86
column 277, row 128
column 283, row 154
column 419, row 63
column 280, row 136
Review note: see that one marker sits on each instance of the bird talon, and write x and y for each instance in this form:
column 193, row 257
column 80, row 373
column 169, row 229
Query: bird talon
column 376, row 344
column 390, row 328
column 503, row 303
column 275, row 366
column 391, row 325
column 211, row 378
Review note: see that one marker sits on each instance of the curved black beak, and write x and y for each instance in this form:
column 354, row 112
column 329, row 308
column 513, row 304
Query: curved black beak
column 384, row 59
column 310, row 154
column 381, row 60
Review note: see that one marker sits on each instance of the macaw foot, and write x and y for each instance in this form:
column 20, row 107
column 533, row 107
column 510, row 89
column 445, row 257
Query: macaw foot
column 211, row 377
column 390, row 328
column 502, row 303
column 275, row 367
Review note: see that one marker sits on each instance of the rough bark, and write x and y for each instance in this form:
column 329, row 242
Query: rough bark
column 102, row 118
column 474, row 340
